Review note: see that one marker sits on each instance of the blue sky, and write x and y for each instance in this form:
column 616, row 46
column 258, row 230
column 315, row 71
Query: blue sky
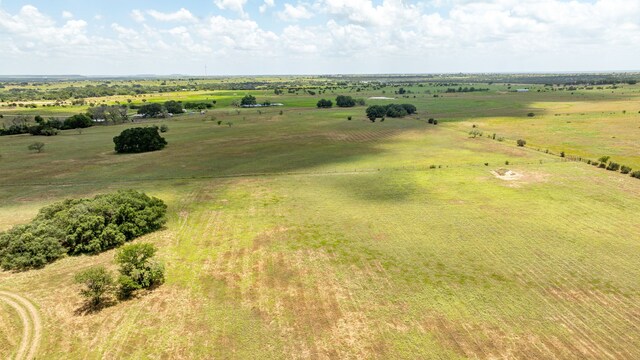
column 245, row 37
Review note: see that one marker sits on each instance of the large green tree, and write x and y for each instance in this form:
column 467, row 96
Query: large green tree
column 137, row 140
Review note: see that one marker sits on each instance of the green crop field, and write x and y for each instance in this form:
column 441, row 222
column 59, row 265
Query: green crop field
column 296, row 233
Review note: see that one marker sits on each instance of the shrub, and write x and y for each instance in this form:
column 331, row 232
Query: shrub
column 613, row 166
column 138, row 268
column 602, row 165
column 531, row 114
column 562, row 154
column 604, row 159
column 435, row 122
column 80, row 226
column 97, row 282
column 475, row 133
column 625, row 169
column 36, row 146
column 521, row 142
column 137, row 140
column 164, row 128
column 636, row 174
column 349, row 118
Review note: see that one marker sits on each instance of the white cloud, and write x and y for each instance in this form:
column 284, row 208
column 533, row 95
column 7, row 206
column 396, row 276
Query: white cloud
column 67, row 15
column 266, row 5
column 97, row 17
column 137, row 15
column 233, row 5
column 353, row 36
column 295, row 13
column 180, row 15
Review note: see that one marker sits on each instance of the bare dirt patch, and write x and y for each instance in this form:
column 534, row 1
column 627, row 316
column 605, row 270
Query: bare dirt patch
column 506, row 174
column 519, row 178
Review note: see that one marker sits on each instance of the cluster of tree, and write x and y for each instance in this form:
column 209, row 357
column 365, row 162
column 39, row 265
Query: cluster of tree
column 161, row 110
column 115, row 114
column 199, row 105
column 324, row 103
column 348, row 101
column 140, row 139
column 46, row 127
column 80, row 226
column 465, row 89
column 392, row 110
column 138, row 269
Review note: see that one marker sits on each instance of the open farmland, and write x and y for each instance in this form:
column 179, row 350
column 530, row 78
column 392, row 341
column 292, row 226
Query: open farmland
column 301, row 234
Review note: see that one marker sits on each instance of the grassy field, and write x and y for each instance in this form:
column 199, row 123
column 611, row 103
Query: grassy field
column 305, row 235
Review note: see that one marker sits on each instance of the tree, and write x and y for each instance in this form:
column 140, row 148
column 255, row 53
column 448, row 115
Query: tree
column 150, row 110
column 345, row 101
column 521, row 142
column 97, row 282
column 375, row 111
column 324, row 103
column 174, row 107
column 137, row 140
column 248, row 100
column 78, row 121
column 117, row 114
column 138, row 268
column 409, row 108
column 36, row 146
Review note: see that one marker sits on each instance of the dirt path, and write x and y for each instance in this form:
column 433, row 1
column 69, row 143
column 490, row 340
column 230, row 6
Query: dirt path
column 31, row 323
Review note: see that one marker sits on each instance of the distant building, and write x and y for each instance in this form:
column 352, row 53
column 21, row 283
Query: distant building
column 522, row 90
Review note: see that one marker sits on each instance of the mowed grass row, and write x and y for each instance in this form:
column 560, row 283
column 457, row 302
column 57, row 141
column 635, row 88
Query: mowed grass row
column 454, row 263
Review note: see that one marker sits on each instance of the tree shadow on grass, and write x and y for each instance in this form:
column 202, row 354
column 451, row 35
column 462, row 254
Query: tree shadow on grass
column 89, row 307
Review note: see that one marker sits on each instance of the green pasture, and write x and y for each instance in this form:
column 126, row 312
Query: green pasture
column 306, row 235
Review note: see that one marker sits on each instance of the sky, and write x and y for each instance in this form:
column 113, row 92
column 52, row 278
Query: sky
column 264, row 37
